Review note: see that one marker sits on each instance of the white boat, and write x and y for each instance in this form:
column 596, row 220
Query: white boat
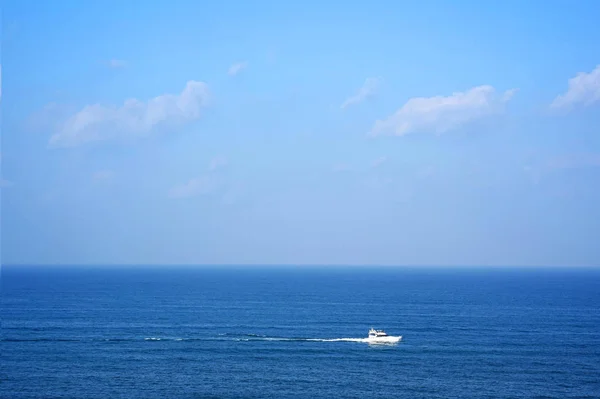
column 381, row 337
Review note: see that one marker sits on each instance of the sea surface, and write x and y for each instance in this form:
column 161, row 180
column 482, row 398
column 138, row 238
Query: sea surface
column 275, row 333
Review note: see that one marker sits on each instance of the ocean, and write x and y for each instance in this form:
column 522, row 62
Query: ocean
column 248, row 332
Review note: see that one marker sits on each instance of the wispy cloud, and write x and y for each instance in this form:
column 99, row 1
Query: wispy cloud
column 49, row 118
column 3, row 182
column 573, row 161
column 509, row 94
column 377, row 182
column 440, row 114
column 193, row 187
column 562, row 162
column 206, row 183
column 133, row 119
column 341, row 167
column 426, row 171
column 368, row 89
column 237, row 68
column 103, row 175
column 378, row 162
column 584, row 89
column 234, row 194
column 217, row 163
column 116, row 63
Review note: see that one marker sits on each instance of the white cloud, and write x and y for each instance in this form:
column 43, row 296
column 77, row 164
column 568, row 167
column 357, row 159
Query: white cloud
column 103, row 175
column 237, row 68
column 194, row 187
column 217, row 163
column 508, row 94
column 367, row 90
column 583, row 89
column 133, row 119
column 378, row 162
column 440, row 114
column 116, row 64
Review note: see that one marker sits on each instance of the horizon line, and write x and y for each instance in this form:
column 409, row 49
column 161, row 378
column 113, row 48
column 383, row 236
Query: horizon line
column 288, row 265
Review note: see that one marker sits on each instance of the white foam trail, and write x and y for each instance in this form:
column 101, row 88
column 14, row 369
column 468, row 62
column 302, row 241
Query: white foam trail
column 337, row 339
column 386, row 340
column 377, row 341
column 389, row 340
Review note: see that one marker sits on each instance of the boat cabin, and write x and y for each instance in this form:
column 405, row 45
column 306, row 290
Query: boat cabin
column 376, row 333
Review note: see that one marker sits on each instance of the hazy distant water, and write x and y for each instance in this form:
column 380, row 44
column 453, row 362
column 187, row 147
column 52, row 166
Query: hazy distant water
column 243, row 333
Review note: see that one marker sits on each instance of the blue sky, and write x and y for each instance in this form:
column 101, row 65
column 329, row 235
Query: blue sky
column 381, row 132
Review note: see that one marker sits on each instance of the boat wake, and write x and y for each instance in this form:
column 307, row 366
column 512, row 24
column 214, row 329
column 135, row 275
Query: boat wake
column 387, row 340
column 373, row 339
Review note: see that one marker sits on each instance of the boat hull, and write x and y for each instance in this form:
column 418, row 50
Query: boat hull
column 383, row 340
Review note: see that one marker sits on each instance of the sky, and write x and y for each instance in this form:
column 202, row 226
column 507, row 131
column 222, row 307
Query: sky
column 309, row 133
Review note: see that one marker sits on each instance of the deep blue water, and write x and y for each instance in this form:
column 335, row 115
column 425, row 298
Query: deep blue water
column 239, row 333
